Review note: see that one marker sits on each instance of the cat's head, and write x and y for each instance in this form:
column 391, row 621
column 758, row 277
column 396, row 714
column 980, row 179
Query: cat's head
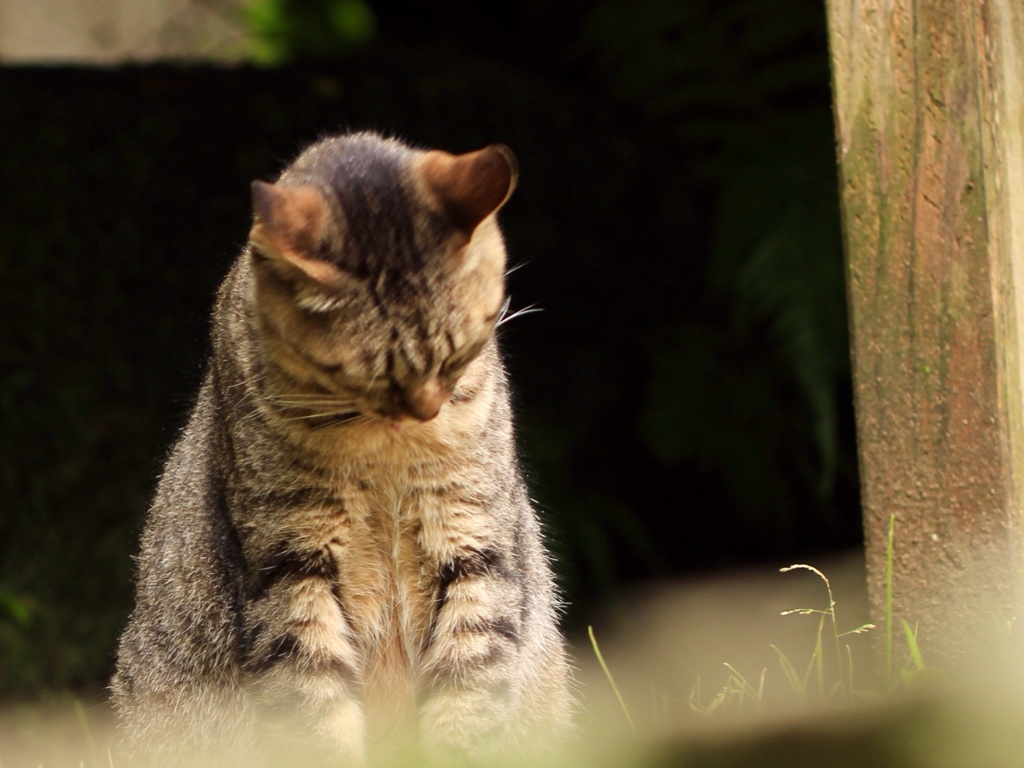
column 380, row 271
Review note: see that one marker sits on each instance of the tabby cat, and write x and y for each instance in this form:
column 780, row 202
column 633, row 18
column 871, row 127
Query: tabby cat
column 341, row 548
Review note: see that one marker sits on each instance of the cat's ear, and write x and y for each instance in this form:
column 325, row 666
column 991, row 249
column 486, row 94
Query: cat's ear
column 290, row 224
column 472, row 186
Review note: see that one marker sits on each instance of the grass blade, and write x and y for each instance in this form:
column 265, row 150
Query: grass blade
column 915, row 650
column 795, row 683
column 83, row 722
column 611, row 680
column 888, row 594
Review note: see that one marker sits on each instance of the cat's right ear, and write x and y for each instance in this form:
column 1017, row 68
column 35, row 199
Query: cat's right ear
column 290, row 223
column 472, row 186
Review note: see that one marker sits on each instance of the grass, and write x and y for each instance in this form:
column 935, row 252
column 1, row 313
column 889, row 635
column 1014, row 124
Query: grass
column 828, row 674
column 61, row 732
column 825, row 676
column 889, row 545
column 611, row 680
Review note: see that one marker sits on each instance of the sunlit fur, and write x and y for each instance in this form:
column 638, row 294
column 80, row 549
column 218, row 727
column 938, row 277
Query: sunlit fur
column 341, row 553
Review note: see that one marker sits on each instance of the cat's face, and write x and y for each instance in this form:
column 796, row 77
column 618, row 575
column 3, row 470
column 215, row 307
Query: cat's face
column 380, row 275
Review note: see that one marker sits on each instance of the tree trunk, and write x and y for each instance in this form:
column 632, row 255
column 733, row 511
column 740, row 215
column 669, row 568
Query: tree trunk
column 930, row 134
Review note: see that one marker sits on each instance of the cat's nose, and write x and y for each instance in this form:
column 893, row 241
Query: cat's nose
column 424, row 401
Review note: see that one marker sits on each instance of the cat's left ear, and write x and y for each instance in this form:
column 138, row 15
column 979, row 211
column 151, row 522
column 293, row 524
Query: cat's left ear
column 290, row 223
column 472, row 186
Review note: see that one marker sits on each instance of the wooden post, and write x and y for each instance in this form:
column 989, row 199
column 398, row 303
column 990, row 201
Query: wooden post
column 929, row 105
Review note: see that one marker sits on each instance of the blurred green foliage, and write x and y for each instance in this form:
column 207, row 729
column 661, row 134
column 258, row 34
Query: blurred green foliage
column 684, row 398
column 282, row 28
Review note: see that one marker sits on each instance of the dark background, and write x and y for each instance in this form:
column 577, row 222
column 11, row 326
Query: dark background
column 684, row 397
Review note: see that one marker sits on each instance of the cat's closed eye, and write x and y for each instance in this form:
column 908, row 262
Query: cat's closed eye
column 455, row 365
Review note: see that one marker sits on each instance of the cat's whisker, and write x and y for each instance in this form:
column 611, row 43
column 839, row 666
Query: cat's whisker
column 347, row 419
column 373, row 380
column 326, row 403
column 256, row 378
column 515, row 267
column 518, row 313
column 321, row 415
column 309, row 399
column 355, row 418
column 308, row 396
column 504, row 309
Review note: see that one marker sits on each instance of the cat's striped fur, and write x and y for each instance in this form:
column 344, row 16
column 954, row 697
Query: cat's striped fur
column 341, row 551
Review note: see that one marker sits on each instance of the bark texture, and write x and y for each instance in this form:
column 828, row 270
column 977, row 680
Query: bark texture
column 930, row 142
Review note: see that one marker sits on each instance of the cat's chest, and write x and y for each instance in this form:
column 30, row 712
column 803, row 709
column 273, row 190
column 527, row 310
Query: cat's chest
column 388, row 575
column 400, row 528
column 385, row 580
column 391, row 530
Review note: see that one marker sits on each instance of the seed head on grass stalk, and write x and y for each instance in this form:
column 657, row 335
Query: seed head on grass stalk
column 844, row 685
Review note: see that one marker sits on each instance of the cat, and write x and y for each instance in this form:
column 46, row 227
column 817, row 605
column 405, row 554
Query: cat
column 341, row 547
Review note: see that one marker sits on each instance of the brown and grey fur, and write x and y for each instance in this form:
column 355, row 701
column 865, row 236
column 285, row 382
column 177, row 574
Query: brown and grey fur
column 341, row 547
